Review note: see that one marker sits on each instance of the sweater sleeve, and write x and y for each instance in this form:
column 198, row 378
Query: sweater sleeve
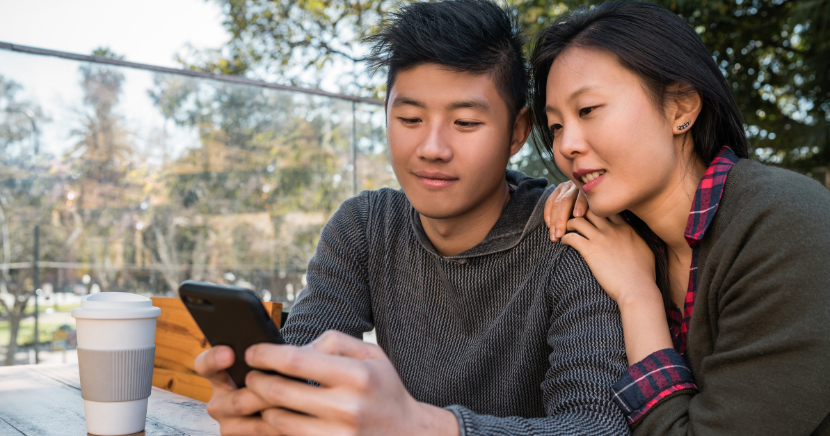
column 768, row 302
column 336, row 296
column 587, row 356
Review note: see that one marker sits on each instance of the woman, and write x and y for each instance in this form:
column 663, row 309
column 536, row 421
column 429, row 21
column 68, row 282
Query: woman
column 720, row 265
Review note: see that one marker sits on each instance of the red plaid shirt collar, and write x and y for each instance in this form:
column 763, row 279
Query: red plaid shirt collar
column 705, row 205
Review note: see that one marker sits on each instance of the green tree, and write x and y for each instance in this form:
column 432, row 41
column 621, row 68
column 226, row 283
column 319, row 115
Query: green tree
column 773, row 52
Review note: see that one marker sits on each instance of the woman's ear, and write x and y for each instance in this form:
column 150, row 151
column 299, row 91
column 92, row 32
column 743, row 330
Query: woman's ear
column 684, row 106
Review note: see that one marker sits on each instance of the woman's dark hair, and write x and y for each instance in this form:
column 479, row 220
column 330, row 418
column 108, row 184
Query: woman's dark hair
column 662, row 50
column 464, row 35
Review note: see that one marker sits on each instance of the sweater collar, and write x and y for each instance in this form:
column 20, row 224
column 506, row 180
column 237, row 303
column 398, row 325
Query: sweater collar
column 708, row 195
column 523, row 213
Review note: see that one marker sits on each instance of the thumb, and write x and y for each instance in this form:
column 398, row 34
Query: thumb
column 340, row 344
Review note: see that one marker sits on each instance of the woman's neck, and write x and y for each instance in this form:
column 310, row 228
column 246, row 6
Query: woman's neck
column 667, row 213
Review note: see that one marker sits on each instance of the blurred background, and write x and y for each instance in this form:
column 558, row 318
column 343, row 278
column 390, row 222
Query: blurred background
column 145, row 143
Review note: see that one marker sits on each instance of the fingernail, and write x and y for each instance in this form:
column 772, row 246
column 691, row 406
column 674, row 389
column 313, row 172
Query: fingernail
column 249, row 353
column 224, row 356
column 577, row 212
column 248, row 378
column 558, row 233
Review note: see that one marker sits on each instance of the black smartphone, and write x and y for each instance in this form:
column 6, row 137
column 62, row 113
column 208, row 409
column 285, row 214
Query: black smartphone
column 232, row 316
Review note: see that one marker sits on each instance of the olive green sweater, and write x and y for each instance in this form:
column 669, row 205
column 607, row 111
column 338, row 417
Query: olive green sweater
column 759, row 337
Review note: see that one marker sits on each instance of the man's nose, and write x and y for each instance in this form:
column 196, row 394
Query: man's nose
column 436, row 144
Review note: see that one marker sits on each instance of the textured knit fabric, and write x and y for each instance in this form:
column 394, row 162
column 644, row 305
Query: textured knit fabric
column 759, row 337
column 514, row 336
column 665, row 373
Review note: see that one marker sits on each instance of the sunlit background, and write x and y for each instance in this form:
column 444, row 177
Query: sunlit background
column 120, row 178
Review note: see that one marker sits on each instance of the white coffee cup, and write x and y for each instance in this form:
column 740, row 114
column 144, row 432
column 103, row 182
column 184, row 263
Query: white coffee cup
column 116, row 332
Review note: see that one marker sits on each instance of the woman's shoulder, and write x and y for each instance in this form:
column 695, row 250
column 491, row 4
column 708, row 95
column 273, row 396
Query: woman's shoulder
column 755, row 188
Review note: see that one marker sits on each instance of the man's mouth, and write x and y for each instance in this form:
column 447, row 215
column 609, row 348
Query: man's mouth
column 434, row 179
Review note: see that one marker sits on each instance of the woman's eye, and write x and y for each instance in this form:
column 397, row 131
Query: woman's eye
column 410, row 120
column 585, row 111
column 556, row 127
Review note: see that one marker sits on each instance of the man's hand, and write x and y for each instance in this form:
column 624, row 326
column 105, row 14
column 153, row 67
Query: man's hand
column 565, row 201
column 360, row 392
column 230, row 406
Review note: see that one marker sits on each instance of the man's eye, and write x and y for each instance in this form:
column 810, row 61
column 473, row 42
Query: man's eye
column 585, row 111
column 467, row 123
column 410, row 120
column 556, row 127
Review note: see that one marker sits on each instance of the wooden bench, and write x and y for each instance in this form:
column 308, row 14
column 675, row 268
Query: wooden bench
column 178, row 342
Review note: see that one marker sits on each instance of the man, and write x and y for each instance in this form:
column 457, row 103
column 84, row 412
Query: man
column 484, row 326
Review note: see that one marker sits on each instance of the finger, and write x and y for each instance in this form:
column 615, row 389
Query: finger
column 551, row 199
column 246, row 426
column 278, row 391
column 290, row 423
column 617, row 219
column 581, row 205
column 305, row 363
column 340, row 344
column 241, row 402
column 601, row 223
column 564, row 211
column 584, row 227
column 212, row 363
column 575, row 240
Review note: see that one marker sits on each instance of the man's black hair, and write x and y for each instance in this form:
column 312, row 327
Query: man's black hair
column 474, row 36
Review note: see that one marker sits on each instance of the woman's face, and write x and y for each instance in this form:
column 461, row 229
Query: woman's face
column 609, row 138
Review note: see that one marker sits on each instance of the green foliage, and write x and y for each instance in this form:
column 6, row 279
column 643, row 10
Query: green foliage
column 773, row 52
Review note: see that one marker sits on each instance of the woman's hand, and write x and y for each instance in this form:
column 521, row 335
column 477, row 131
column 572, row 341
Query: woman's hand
column 623, row 265
column 621, row 261
column 565, row 201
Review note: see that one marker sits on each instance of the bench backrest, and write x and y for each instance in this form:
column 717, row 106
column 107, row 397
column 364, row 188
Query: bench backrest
column 178, row 342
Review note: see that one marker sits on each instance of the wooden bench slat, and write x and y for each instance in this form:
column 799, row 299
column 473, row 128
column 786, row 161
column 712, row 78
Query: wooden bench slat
column 178, row 342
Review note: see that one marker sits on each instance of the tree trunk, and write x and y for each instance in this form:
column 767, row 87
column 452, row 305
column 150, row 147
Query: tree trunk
column 15, row 316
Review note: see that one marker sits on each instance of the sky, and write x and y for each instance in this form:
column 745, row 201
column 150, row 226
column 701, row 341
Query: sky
column 146, row 31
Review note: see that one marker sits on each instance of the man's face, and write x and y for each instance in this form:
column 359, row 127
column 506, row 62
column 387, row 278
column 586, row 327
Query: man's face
column 449, row 137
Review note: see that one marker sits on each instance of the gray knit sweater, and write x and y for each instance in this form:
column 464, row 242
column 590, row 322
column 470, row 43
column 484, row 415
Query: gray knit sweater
column 514, row 336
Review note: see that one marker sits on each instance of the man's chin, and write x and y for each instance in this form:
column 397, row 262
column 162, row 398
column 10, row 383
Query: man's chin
column 437, row 213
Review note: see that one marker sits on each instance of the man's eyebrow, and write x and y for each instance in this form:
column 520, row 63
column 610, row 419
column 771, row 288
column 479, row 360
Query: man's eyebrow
column 573, row 96
column 470, row 104
column 406, row 101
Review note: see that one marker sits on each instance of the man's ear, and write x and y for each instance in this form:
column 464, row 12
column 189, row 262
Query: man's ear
column 521, row 130
column 683, row 108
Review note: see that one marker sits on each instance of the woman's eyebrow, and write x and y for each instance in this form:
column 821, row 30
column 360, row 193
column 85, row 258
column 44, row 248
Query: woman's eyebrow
column 583, row 89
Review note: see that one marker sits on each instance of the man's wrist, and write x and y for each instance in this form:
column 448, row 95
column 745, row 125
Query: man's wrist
column 436, row 421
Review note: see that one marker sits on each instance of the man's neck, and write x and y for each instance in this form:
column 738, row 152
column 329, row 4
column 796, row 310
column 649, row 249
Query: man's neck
column 451, row 236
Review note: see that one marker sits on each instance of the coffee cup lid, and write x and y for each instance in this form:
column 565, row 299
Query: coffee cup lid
column 115, row 305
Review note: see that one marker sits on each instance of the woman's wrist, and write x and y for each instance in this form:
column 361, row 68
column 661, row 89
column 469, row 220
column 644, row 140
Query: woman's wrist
column 637, row 294
column 644, row 322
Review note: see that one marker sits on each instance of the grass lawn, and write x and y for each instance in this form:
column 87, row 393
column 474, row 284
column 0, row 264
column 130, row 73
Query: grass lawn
column 26, row 333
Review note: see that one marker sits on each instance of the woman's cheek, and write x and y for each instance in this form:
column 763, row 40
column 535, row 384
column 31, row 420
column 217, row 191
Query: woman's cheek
column 564, row 165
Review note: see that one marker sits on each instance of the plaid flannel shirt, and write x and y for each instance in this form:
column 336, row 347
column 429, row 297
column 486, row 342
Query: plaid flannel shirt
column 665, row 372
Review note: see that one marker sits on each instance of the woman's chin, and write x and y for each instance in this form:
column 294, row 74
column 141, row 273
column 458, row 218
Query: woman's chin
column 603, row 209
